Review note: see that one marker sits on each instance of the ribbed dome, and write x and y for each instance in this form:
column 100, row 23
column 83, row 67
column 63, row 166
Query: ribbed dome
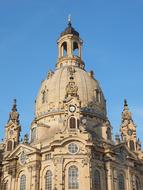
column 55, row 87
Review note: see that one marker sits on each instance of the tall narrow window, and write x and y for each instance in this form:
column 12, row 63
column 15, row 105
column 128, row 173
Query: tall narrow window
column 5, row 186
column 33, row 134
column 97, row 182
column 98, row 95
column 43, row 97
column 23, row 182
column 73, row 178
column 72, row 123
column 9, row 146
column 121, row 182
column 48, row 180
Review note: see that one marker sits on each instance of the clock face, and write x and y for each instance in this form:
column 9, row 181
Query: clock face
column 130, row 132
column 72, row 108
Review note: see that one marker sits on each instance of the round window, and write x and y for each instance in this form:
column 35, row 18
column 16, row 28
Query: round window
column 73, row 148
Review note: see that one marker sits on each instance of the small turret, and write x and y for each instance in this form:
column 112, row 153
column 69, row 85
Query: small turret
column 128, row 129
column 12, row 129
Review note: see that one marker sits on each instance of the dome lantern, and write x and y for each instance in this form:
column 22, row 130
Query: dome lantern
column 70, row 48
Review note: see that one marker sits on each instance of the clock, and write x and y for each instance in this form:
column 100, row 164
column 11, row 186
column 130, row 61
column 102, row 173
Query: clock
column 130, row 132
column 72, row 108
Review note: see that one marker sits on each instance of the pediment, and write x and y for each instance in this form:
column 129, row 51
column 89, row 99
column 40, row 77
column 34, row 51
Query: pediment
column 123, row 152
column 27, row 149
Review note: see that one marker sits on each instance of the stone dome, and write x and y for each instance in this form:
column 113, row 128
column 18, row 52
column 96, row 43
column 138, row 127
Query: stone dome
column 69, row 95
column 53, row 92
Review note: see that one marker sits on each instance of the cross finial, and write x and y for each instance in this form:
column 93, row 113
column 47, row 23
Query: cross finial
column 14, row 108
column 69, row 20
column 125, row 102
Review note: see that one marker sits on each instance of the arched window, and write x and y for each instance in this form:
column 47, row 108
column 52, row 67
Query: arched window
column 121, row 182
column 64, row 49
column 108, row 132
column 23, row 182
column 73, row 178
column 33, row 134
column 72, row 123
column 9, row 146
column 132, row 146
column 75, row 49
column 97, row 182
column 138, row 187
column 48, row 180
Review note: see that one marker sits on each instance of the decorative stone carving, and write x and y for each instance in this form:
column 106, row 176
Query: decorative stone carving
column 71, row 89
column 50, row 74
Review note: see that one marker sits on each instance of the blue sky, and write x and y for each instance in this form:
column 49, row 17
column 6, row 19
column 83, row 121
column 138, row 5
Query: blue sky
column 112, row 31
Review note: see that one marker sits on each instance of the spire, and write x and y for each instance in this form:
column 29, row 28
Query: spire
column 125, row 105
column 69, row 20
column 14, row 115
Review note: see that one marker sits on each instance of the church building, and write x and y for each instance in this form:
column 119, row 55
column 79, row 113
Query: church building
column 71, row 145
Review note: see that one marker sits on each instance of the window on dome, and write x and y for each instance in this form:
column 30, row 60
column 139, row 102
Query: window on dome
column 72, row 123
column 48, row 180
column 97, row 180
column 33, row 134
column 75, row 49
column 73, row 178
column 43, row 97
column 121, row 182
column 64, row 49
column 23, row 182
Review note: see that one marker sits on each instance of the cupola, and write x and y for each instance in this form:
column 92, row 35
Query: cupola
column 70, row 48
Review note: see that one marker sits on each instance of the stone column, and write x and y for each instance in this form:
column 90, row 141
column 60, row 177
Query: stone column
column 109, row 176
column 35, row 176
column 129, row 179
column 115, row 180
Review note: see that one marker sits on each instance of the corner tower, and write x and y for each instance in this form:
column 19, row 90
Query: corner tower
column 12, row 129
column 128, row 130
